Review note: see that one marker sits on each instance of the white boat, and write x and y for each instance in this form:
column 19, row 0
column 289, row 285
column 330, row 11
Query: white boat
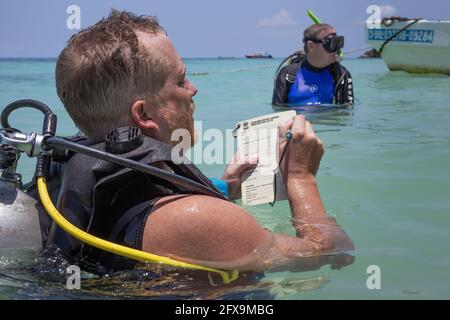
column 412, row 45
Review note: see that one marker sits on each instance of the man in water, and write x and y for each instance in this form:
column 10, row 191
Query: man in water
column 315, row 77
column 125, row 71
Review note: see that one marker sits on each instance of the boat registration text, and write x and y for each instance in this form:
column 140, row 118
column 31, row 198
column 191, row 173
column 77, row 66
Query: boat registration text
column 423, row 36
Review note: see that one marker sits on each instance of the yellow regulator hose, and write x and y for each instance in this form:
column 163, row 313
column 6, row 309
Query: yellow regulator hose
column 117, row 248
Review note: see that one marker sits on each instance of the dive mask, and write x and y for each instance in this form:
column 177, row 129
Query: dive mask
column 331, row 43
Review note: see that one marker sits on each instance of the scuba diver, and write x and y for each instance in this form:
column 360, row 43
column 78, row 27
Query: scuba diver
column 122, row 196
column 314, row 77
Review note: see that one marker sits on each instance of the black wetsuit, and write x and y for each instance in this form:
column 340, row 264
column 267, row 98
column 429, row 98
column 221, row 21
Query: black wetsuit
column 343, row 83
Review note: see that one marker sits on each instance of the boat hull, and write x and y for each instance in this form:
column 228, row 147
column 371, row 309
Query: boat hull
column 258, row 57
column 424, row 47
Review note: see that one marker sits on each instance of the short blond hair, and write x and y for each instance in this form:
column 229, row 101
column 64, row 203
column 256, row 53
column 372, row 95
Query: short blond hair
column 104, row 68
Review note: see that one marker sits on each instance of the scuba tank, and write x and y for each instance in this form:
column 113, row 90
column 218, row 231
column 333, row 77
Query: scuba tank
column 19, row 218
column 20, row 221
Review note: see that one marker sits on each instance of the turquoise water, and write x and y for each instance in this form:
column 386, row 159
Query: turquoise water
column 385, row 176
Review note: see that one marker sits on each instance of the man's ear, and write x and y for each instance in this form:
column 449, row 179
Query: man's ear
column 310, row 45
column 141, row 118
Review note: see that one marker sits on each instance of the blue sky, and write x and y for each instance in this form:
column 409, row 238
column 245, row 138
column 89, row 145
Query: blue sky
column 202, row 28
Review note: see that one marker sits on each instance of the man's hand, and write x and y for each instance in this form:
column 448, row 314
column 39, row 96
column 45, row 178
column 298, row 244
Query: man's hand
column 304, row 151
column 299, row 167
column 232, row 174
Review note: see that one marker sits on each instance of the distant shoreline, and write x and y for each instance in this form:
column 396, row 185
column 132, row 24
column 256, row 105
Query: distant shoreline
column 27, row 59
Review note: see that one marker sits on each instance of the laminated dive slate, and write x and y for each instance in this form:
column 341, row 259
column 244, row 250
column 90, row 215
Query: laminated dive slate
column 258, row 137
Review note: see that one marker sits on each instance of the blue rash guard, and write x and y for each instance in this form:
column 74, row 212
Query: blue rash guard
column 221, row 185
column 312, row 86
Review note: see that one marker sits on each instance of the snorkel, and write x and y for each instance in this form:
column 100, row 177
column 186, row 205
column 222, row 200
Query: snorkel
column 313, row 17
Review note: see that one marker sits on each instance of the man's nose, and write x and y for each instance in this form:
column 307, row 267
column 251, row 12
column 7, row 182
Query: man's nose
column 192, row 88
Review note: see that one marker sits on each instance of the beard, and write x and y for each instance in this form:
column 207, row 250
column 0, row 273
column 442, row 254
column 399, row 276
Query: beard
column 194, row 133
column 183, row 121
column 190, row 127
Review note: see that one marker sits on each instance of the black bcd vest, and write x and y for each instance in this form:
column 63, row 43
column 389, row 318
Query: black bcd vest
column 113, row 202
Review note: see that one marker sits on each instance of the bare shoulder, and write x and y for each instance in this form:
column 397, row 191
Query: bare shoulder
column 219, row 234
column 207, row 230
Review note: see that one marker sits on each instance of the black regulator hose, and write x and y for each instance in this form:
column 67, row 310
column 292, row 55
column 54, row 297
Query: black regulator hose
column 24, row 103
column 48, row 128
column 43, row 161
column 60, row 143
